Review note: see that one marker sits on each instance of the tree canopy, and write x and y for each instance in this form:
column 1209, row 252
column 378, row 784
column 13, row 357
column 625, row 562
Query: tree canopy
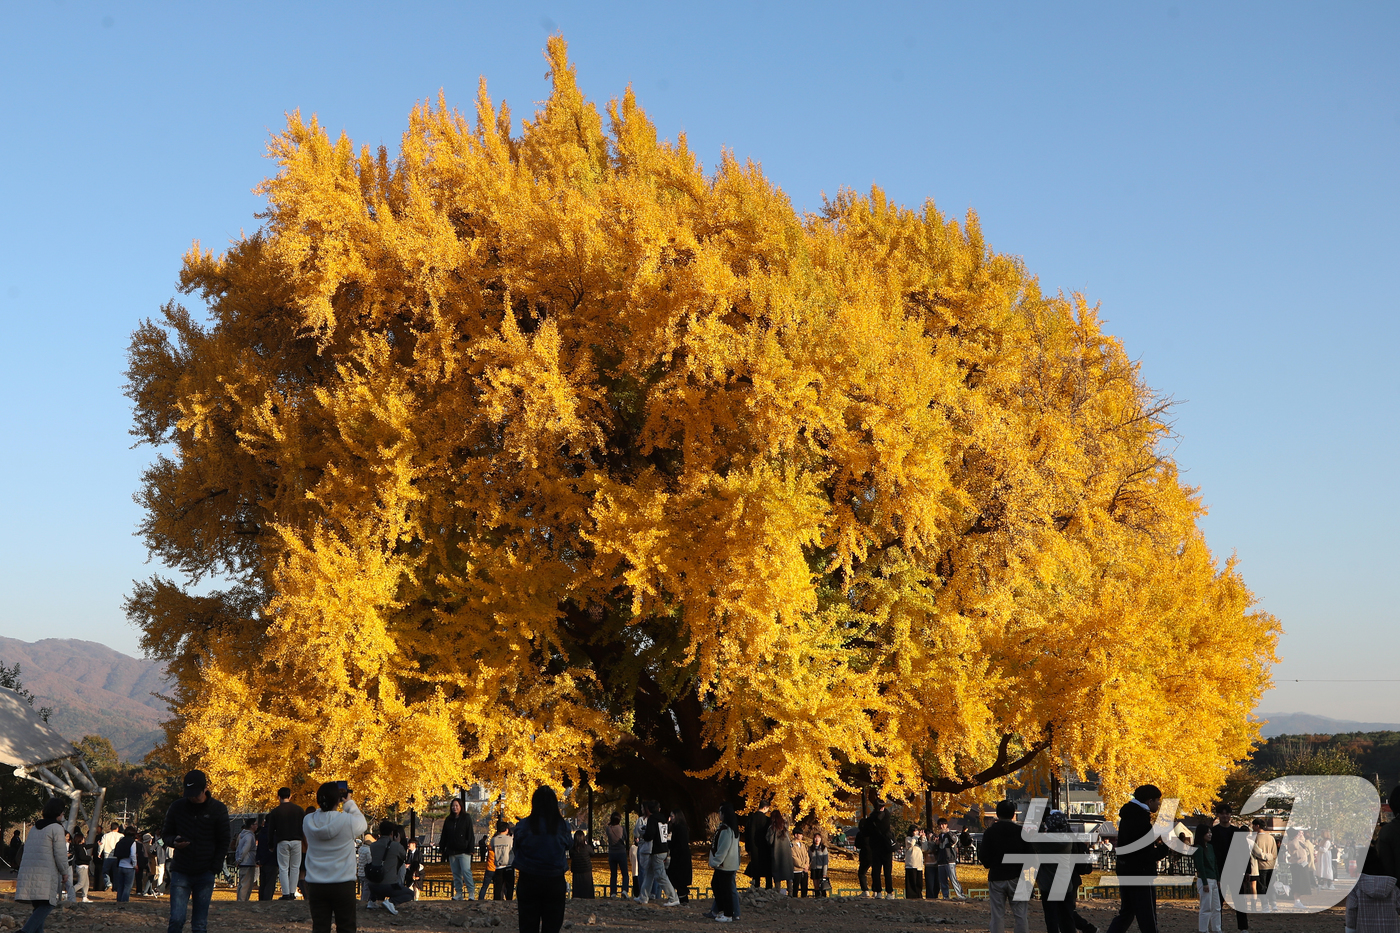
column 550, row 453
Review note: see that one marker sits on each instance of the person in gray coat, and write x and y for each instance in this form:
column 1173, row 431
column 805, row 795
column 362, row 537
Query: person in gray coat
column 45, row 866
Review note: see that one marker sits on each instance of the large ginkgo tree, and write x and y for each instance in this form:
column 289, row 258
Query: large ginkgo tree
column 525, row 455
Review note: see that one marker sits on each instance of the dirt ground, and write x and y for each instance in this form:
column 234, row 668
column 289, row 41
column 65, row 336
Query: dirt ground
column 760, row 910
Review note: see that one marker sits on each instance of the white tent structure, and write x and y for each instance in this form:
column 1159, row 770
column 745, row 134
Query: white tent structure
column 38, row 753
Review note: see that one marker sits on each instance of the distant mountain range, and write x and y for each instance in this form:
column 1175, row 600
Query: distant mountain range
column 1308, row 724
column 96, row 690
column 93, row 690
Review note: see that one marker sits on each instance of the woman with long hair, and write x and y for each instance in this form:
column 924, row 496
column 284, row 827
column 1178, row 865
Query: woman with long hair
column 724, row 859
column 127, row 857
column 540, row 853
column 456, row 842
column 1300, row 869
column 780, row 840
column 680, row 870
column 819, row 856
column 617, row 853
column 581, row 865
column 1207, row 881
column 44, row 870
column 1326, row 871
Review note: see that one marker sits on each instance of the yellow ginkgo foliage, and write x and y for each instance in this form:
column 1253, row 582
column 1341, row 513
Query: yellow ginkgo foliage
column 544, row 455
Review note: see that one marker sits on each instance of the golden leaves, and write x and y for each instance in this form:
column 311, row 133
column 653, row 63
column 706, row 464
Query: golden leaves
column 532, row 453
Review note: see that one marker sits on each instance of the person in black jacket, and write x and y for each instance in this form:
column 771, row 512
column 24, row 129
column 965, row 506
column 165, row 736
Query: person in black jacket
column 881, row 842
column 1061, row 915
column 267, row 861
column 658, row 833
column 80, row 856
column 196, row 827
column 1004, row 838
column 1221, row 835
column 862, row 842
column 456, row 842
column 759, row 849
column 1138, row 901
column 680, row 871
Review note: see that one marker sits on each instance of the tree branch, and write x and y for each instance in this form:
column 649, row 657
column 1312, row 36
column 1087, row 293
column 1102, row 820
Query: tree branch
column 1000, row 768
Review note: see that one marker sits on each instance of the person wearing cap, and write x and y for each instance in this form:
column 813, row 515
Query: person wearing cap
column 1138, row 901
column 196, row 827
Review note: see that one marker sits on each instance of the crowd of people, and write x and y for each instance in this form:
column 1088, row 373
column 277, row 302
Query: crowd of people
column 327, row 854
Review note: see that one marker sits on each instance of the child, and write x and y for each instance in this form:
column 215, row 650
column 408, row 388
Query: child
column 581, row 865
column 1207, row 882
column 819, row 859
column 1373, row 901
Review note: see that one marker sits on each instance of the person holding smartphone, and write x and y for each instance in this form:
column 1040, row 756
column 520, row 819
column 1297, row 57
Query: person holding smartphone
column 330, row 862
column 196, row 827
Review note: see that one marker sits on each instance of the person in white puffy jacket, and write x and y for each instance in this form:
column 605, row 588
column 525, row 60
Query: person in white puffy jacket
column 44, row 870
column 330, row 863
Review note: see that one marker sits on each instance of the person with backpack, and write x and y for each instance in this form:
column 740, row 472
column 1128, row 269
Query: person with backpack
column 457, row 840
column 386, row 861
column 540, row 853
column 127, row 855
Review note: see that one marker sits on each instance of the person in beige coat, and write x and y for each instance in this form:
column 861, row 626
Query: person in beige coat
column 45, row 870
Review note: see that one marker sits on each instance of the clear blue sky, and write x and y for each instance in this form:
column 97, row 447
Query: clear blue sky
column 1223, row 178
